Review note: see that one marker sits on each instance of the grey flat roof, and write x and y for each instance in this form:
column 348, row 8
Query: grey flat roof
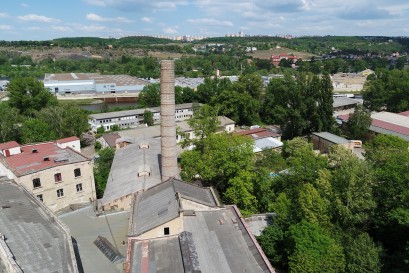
column 332, row 138
column 163, row 256
column 343, row 101
column 38, row 242
column 267, row 143
column 123, row 177
column 218, row 243
column 160, row 204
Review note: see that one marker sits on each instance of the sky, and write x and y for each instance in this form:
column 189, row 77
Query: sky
column 49, row 19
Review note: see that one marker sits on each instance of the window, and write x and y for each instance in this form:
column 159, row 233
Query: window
column 40, row 197
column 60, row 192
column 77, row 172
column 36, row 183
column 57, row 177
column 166, row 231
column 79, row 187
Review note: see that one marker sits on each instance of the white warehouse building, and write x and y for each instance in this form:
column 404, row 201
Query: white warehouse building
column 92, row 83
column 134, row 118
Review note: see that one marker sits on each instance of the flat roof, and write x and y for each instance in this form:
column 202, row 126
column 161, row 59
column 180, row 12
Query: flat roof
column 118, row 80
column 266, row 143
column 332, row 138
column 32, row 158
column 392, row 118
column 343, row 101
column 38, row 241
column 215, row 241
column 123, row 177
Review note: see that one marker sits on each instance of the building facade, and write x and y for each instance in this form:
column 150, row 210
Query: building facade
column 92, row 83
column 134, row 118
column 55, row 172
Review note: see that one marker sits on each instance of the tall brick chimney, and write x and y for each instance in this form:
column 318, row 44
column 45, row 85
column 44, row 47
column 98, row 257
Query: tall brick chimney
column 168, row 123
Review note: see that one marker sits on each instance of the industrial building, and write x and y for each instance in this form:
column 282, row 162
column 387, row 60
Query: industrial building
column 134, row 118
column 55, row 172
column 92, row 83
column 32, row 238
column 178, row 227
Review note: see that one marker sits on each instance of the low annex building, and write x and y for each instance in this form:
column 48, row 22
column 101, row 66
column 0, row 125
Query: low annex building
column 324, row 140
column 134, row 118
column 32, row 238
column 55, row 172
column 178, row 227
column 263, row 139
column 92, row 83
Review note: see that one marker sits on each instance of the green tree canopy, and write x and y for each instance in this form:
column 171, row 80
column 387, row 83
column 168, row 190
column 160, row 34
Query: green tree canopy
column 358, row 123
column 149, row 96
column 29, row 95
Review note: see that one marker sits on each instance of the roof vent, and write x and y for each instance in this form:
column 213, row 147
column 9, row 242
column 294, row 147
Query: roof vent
column 144, row 146
column 34, row 151
column 46, row 158
column 144, row 173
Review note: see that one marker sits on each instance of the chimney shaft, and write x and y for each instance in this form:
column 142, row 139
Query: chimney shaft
column 168, row 123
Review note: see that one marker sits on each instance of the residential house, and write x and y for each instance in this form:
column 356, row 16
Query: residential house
column 55, row 172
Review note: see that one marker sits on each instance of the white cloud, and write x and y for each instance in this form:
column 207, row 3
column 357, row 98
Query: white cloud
column 170, row 30
column 137, row 5
column 3, row 15
column 211, row 22
column 5, row 27
column 147, row 20
column 62, row 28
column 24, row 5
column 97, row 18
column 37, row 18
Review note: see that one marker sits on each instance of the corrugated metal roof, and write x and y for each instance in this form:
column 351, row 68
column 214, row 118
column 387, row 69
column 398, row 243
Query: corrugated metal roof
column 332, row 138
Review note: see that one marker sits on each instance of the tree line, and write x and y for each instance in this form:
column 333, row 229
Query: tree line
column 33, row 114
column 333, row 213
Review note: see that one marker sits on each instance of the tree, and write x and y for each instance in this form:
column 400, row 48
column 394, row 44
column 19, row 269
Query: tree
column 311, row 250
column 272, row 242
column 251, row 84
column 148, row 118
column 36, row 130
column 10, row 123
column 240, row 191
column 223, row 158
column 29, row 95
column 65, row 120
column 358, row 123
column 102, row 168
column 204, row 122
column 149, row 96
column 362, row 254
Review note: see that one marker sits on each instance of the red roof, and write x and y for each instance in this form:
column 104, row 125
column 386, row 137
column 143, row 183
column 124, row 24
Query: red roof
column 31, row 158
column 383, row 124
column 67, row 139
column 390, row 126
column 258, row 133
column 406, row 113
column 9, row 145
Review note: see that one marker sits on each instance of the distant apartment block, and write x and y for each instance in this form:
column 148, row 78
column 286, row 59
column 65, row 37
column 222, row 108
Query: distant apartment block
column 92, row 83
column 134, row 118
column 32, row 238
column 55, row 172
